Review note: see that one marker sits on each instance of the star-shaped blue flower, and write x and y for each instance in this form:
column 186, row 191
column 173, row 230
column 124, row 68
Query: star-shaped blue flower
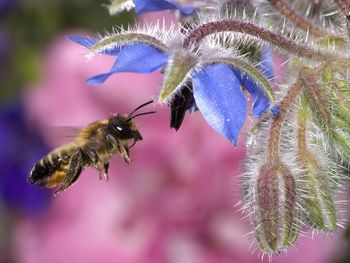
column 134, row 57
column 144, row 6
column 216, row 87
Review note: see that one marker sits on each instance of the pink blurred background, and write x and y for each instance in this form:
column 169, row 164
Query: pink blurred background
column 177, row 202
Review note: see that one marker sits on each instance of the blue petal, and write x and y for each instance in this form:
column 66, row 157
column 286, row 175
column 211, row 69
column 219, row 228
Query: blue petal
column 276, row 111
column 91, row 41
column 266, row 62
column 140, row 58
column 84, row 41
column 144, row 6
column 98, row 79
column 220, row 99
column 261, row 101
column 137, row 58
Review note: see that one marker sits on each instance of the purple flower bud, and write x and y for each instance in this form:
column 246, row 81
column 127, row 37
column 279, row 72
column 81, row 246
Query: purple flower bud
column 275, row 213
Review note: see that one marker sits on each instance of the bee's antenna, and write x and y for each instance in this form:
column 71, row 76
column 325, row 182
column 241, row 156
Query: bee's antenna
column 139, row 107
column 140, row 114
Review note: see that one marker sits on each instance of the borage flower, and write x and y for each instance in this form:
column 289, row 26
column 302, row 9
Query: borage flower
column 206, row 77
column 144, row 6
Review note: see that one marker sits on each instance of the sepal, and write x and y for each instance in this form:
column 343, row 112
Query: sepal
column 177, row 73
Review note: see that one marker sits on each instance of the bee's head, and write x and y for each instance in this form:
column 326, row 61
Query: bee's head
column 122, row 127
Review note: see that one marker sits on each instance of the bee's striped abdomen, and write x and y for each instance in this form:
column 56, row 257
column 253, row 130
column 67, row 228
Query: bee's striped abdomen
column 51, row 170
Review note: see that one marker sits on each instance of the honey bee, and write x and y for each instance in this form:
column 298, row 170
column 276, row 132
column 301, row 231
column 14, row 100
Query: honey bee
column 94, row 146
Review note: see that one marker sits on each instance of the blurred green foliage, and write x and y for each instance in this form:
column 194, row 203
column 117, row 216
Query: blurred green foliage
column 29, row 27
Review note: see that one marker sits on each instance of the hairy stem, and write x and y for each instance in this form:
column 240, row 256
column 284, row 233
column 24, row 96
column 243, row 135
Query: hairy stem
column 301, row 134
column 317, row 99
column 344, row 7
column 297, row 19
column 276, row 127
column 125, row 39
column 197, row 34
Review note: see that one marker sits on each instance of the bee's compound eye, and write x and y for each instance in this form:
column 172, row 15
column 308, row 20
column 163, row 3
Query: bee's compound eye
column 120, row 129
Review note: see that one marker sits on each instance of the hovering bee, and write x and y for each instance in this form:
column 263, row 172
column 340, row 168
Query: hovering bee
column 94, row 146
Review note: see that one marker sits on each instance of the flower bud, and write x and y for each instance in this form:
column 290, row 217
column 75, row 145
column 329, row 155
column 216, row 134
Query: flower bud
column 338, row 95
column 318, row 201
column 275, row 215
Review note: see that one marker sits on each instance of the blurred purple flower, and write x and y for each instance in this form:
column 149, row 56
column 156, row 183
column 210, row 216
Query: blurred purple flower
column 6, row 6
column 20, row 149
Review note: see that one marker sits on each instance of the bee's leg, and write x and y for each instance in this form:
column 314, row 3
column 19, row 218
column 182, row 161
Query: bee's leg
column 102, row 168
column 93, row 158
column 75, row 167
column 99, row 169
column 125, row 153
column 106, row 169
column 122, row 149
column 92, row 155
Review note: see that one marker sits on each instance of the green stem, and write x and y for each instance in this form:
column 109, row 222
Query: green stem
column 120, row 39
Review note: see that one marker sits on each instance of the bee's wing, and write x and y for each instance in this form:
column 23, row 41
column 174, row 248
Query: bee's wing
column 63, row 134
column 76, row 164
column 52, row 169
